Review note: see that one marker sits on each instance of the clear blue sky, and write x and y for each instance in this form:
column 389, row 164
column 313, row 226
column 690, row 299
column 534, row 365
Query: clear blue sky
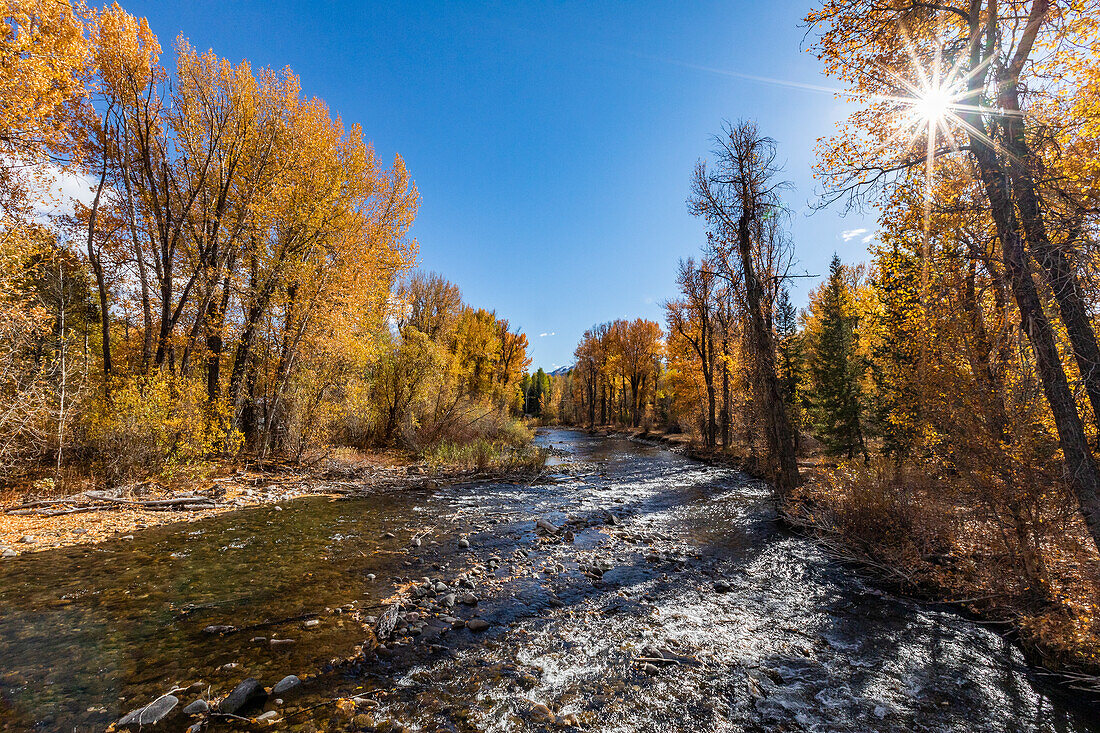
column 552, row 142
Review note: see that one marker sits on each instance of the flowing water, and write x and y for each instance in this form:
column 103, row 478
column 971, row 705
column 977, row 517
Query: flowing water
column 793, row 641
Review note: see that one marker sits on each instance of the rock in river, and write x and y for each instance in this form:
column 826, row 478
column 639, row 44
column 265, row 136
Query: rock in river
column 151, row 714
column 248, row 691
column 477, row 624
column 199, row 707
column 387, row 621
column 543, row 526
column 219, row 629
column 285, row 684
column 8, row 552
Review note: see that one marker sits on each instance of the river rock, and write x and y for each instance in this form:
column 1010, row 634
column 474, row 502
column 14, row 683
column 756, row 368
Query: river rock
column 282, row 643
column 199, row 707
column 219, row 629
column 8, row 552
column 464, row 543
column 311, row 623
column 388, row 536
column 415, row 542
column 447, row 601
column 151, row 714
column 467, row 599
column 286, row 684
column 267, row 718
column 477, row 625
column 248, row 691
column 544, row 526
column 386, row 622
column 27, row 539
column 722, row 586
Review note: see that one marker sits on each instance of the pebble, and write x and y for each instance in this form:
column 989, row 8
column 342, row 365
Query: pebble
column 27, row 539
column 371, row 576
column 280, row 643
column 464, row 543
column 311, row 623
column 8, row 552
column 477, row 624
column 416, row 542
column 722, row 586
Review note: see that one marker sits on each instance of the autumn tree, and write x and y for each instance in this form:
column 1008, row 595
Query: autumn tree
column 974, row 78
column 739, row 197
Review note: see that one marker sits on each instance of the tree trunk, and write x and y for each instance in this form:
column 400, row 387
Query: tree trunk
column 778, row 434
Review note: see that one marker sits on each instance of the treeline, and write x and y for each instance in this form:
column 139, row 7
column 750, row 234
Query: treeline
column 233, row 279
column 614, row 380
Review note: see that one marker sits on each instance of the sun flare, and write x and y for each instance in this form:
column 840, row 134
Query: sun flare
column 933, row 105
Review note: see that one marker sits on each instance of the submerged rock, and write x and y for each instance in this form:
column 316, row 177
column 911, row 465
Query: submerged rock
column 151, row 714
column 286, row 684
column 248, row 691
column 219, row 629
column 198, row 707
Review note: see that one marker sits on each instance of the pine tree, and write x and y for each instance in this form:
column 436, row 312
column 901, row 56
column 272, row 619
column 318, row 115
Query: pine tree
column 835, row 367
column 789, row 343
column 896, row 351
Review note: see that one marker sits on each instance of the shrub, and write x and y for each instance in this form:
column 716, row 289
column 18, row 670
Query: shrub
column 155, row 425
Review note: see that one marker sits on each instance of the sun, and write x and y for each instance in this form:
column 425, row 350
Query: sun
column 933, row 104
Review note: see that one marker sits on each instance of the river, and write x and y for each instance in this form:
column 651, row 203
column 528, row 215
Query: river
column 659, row 558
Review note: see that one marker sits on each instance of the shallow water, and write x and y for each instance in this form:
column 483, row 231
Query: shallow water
column 798, row 643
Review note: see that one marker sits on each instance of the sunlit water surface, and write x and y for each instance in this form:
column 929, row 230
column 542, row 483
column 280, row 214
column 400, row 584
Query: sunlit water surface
column 797, row 643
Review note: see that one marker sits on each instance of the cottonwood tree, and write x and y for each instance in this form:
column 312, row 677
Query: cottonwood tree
column 739, row 197
column 973, row 77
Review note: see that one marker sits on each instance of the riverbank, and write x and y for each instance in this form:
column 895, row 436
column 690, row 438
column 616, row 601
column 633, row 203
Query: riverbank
column 30, row 522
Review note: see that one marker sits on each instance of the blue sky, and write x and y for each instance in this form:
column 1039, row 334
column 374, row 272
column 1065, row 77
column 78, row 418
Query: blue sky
column 552, row 143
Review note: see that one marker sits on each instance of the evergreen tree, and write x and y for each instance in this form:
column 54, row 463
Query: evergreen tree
column 896, row 352
column 789, row 347
column 835, row 367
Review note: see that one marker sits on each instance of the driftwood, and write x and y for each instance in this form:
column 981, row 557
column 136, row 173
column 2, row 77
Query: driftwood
column 91, row 501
